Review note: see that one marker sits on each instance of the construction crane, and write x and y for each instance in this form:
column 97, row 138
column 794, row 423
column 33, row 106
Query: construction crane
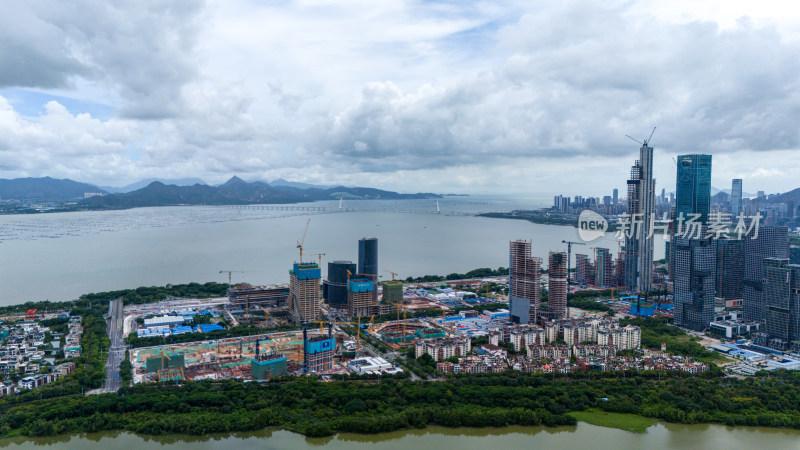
column 231, row 272
column 569, row 255
column 405, row 315
column 266, row 313
column 445, row 327
column 319, row 258
column 303, row 240
column 646, row 142
column 394, row 274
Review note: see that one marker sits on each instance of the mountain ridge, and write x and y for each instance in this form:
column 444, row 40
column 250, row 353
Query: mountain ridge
column 235, row 191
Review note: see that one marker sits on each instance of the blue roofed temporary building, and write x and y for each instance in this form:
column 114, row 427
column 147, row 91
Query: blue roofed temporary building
column 182, row 330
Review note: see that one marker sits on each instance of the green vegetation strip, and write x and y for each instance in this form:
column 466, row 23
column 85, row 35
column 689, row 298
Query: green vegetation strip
column 628, row 422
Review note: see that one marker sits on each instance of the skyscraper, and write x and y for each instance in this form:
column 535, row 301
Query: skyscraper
column 730, row 268
column 304, row 292
column 557, row 284
column 524, row 273
column 368, row 256
column 584, row 270
column 736, row 197
column 693, row 188
column 615, row 197
column 334, row 288
column 693, row 287
column 368, row 261
column 693, row 257
column 782, row 306
column 604, row 268
column 693, row 196
column 771, row 242
column 641, row 207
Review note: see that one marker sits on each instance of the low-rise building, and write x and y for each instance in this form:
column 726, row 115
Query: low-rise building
column 374, row 365
column 441, row 349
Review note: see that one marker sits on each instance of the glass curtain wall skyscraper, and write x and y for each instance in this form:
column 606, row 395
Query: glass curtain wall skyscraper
column 693, row 189
column 736, row 197
column 771, row 242
column 694, row 255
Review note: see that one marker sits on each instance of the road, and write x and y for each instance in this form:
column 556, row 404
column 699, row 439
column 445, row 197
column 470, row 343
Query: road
column 117, row 350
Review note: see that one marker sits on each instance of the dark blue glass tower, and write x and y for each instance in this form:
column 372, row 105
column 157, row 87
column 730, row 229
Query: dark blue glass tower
column 694, row 257
column 693, row 190
column 368, row 256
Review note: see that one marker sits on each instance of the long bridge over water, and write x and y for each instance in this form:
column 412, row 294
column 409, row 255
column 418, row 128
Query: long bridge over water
column 325, row 209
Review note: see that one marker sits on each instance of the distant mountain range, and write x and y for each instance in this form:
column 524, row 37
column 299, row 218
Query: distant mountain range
column 235, row 192
column 143, row 183
column 156, row 193
column 45, row 189
column 715, row 191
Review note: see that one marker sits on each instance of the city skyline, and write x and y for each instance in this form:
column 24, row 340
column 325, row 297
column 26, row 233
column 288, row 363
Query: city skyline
column 443, row 98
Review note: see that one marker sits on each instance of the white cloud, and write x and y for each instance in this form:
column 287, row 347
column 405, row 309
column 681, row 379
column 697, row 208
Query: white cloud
column 404, row 95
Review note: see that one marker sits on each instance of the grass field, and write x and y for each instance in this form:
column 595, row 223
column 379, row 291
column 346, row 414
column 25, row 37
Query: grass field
column 627, row 422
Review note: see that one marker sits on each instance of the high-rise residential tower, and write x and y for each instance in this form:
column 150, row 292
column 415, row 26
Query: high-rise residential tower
column 524, row 272
column 641, row 207
column 557, row 284
column 584, row 269
column 736, row 197
column 603, row 268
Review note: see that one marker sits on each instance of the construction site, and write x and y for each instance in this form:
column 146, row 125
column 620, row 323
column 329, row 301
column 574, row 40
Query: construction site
column 260, row 357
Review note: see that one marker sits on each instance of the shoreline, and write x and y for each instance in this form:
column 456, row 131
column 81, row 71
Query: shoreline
column 268, row 434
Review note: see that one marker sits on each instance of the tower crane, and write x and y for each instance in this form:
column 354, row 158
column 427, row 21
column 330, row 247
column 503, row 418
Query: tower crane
column 302, row 240
column 569, row 255
column 644, row 143
column 394, row 274
column 405, row 315
column 319, row 258
column 231, row 272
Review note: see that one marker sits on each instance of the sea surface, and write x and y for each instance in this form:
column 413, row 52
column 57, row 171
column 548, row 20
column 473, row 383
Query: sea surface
column 60, row 256
column 582, row 436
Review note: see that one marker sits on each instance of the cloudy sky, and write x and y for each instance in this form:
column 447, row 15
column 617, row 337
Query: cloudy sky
column 444, row 96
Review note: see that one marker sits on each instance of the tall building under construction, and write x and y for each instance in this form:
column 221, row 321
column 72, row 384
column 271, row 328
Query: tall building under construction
column 361, row 295
column 557, row 284
column 393, row 291
column 368, row 261
column 318, row 352
column 641, row 208
column 524, row 272
column 304, row 292
column 334, row 288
